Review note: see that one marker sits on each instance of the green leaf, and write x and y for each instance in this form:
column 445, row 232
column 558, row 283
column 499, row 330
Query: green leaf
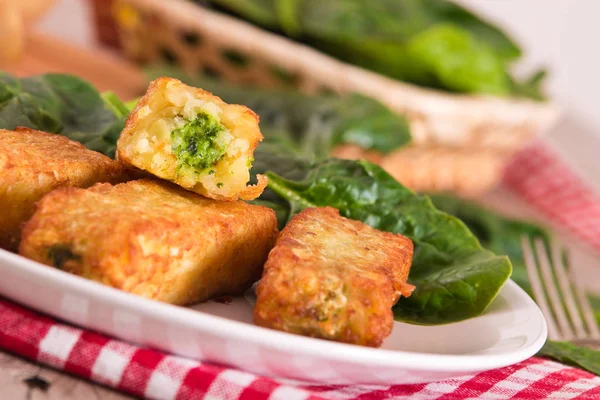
column 359, row 20
column 503, row 236
column 115, row 104
column 370, row 125
column 63, row 104
column 457, row 61
column 312, row 124
column 577, row 356
column 434, row 43
column 531, row 87
column 130, row 105
column 26, row 103
column 286, row 13
column 497, row 233
column 455, row 277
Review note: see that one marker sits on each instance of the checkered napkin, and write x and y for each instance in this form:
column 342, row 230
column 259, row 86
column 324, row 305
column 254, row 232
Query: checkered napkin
column 537, row 175
column 541, row 178
column 153, row 374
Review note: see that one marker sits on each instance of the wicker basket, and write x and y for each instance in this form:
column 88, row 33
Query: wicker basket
column 461, row 142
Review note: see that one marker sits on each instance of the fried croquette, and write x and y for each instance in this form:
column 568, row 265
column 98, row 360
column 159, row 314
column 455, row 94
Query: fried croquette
column 334, row 278
column 33, row 163
column 192, row 138
column 153, row 239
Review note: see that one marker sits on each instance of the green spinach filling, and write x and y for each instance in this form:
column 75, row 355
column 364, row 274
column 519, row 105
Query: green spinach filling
column 59, row 254
column 196, row 143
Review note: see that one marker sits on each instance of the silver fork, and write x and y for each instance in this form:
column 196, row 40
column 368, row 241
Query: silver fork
column 570, row 318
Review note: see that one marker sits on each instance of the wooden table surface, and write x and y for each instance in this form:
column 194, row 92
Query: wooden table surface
column 22, row 379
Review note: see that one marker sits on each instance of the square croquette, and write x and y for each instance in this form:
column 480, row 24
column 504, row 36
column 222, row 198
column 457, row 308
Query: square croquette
column 334, row 278
column 153, row 239
column 33, row 163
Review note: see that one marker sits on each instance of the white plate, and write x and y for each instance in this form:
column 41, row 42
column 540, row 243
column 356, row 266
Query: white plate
column 511, row 330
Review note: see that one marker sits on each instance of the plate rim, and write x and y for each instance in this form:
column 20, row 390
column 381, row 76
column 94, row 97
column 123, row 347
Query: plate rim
column 268, row 338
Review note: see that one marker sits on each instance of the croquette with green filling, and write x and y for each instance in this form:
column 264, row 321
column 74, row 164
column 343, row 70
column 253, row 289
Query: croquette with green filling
column 192, row 138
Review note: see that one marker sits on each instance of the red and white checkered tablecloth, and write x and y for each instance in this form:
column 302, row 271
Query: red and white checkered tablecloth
column 548, row 184
column 537, row 175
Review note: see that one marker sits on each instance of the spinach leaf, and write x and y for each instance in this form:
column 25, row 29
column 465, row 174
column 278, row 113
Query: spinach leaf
column 63, row 104
column 503, row 235
column 273, row 155
column 457, row 61
column 395, row 21
column 60, row 254
column 312, row 124
column 369, row 124
column 455, row 277
column 495, row 232
column 577, row 356
column 115, row 104
column 530, row 87
column 434, row 43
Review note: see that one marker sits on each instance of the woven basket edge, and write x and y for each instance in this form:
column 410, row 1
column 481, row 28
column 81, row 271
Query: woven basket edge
column 503, row 106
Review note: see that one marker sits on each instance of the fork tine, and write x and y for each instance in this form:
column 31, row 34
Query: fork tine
column 566, row 286
column 536, row 286
column 552, row 290
column 586, row 310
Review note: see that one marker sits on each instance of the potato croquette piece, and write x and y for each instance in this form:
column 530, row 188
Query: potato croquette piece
column 33, row 163
column 153, row 239
column 334, row 278
column 190, row 137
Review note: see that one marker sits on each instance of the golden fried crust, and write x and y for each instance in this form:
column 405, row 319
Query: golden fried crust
column 145, row 142
column 333, row 278
column 153, row 239
column 32, row 163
